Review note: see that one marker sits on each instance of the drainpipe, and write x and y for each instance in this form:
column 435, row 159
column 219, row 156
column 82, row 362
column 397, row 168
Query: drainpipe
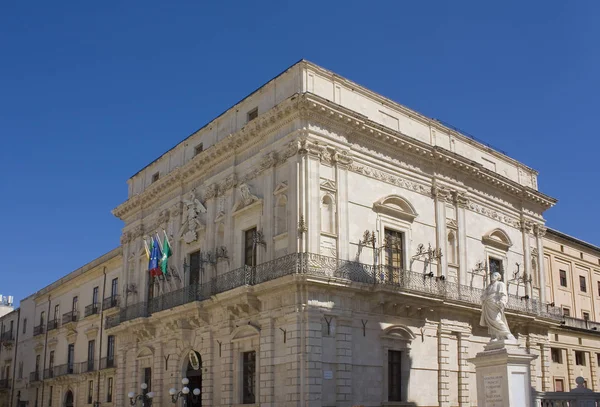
column 101, row 330
column 45, row 350
column 12, row 387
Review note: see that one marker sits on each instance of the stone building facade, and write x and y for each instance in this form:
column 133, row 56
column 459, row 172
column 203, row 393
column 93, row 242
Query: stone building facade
column 329, row 249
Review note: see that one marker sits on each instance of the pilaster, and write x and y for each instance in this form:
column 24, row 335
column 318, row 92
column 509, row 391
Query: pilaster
column 227, row 373
column 343, row 342
column 594, row 371
column 266, row 363
column 570, row 369
column 314, row 356
column 158, row 372
column 525, row 230
column 461, row 202
column 268, row 211
column 120, row 379
column 444, row 367
column 540, row 231
column 313, row 206
column 440, row 195
column 343, row 221
column 545, row 366
column 463, row 369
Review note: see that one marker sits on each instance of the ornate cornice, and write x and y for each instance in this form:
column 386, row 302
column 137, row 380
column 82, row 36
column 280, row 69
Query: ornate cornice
column 254, row 131
column 329, row 112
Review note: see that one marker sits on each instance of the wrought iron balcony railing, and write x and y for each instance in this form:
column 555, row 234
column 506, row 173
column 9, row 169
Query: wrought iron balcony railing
column 38, row 330
column 314, row 265
column 91, row 309
column 87, row 366
column 52, row 324
column 7, row 336
column 66, row 369
column 35, row 376
column 108, row 363
column 69, row 317
column 4, row 384
column 110, row 302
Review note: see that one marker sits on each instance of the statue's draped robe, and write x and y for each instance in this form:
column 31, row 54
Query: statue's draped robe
column 492, row 312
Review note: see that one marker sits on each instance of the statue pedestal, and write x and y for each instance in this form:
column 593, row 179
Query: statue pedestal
column 503, row 375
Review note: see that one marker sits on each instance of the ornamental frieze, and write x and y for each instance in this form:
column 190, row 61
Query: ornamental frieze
column 492, row 214
column 390, row 179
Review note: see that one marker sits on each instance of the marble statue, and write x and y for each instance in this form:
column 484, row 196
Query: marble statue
column 494, row 300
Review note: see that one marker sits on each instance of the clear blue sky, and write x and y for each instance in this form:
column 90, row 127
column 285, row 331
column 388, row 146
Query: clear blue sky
column 90, row 92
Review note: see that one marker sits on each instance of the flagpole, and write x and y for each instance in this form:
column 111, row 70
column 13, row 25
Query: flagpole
column 147, row 249
column 167, row 237
column 158, row 240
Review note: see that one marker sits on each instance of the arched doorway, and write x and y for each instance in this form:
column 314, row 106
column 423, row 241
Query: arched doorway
column 194, row 374
column 69, row 399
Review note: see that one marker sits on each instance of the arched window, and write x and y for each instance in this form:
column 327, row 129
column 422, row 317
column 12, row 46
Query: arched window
column 281, row 215
column 451, row 250
column 327, row 215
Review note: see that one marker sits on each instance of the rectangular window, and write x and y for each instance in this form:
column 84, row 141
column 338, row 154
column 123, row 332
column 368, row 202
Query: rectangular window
column 95, row 296
column 598, row 288
column 248, row 377
column 56, row 312
column 21, row 368
column 559, row 385
column 496, row 266
column 598, row 358
column 70, row 358
column 195, row 268
column 155, row 177
column 556, row 355
column 249, row 247
column 394, row 248
column 563, row 278
column 582, row 284
column 109, row 389
column 110, row 351
column 50, row 391
column 90, row 395
column 252, row 114
column 114, row 287
column 586, row 316
column 394, row 375
column 566, row 312
column 579, row 358
column 51, row 361
column 42, row 318
column 198, row 149
column 75, row 301
column 37, row 363
column 90, row 356
column 148, row 379
column 24, row 325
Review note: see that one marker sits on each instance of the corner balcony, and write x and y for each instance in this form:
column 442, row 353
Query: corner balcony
column 110, row 302
column 108, row 363
column 35, row 377
column 38, row 330
column 92, row 309
column 7, row 337
column 70, row 317
column 52, row 324
column 308, row 265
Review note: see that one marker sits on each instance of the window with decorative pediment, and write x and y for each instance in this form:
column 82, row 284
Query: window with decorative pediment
column 396, row 342
column 396, row 207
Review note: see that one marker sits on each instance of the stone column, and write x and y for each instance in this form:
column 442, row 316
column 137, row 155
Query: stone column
column 342, row 161
column 444, row 338
column 267, row 359
column 540, row 231
column 208, row 358
column 545, row 366
column 343, row 374
column 440, row 195
column 300, row 202
column 463, row 369
column 461, row 202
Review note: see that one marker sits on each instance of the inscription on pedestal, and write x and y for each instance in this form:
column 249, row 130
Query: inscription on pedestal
column 493, row 391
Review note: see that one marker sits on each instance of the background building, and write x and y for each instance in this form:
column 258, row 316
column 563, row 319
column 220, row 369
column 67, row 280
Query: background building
column 330, row 247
